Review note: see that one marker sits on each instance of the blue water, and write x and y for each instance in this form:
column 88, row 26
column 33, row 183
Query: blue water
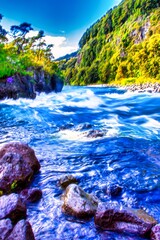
column 127, row 152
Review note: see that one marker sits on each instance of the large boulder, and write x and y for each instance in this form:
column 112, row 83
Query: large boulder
column 12, row 207
column 5, row 228
column 78, row 203
column 118, row 218
column 18, row 163
column 22, row 231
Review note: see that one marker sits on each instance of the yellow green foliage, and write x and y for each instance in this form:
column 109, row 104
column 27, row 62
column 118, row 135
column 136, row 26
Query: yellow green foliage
column 122, row 47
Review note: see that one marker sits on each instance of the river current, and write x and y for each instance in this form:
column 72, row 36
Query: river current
column 62, row 129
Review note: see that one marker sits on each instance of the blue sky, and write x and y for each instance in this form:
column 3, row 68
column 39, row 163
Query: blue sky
column 64, row 20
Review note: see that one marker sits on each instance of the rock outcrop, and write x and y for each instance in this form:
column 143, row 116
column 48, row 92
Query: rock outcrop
column 19, row 86
column 47, row 83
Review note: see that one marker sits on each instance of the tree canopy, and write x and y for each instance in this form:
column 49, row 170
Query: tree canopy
column 22, row 54
column 122, row 47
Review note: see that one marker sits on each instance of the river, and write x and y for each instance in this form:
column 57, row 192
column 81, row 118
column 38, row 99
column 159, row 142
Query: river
column 61, row 129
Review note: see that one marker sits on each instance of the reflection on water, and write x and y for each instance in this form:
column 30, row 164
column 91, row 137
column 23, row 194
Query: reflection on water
column 102, row 137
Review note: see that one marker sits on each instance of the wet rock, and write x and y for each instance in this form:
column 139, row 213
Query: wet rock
column 66, row 126
column 114, row 190
column 47, row 83
column 95, row 133
column 146, row 87
column 118, row 218
column 5, row 228
column 56, row 83
column 155, row 232
column 30, row 195
column 12, row 207
column 22, row 231
column 18, row 163
column 25, row 151
column 67, row 180
column 83, row 126
column 78, row 203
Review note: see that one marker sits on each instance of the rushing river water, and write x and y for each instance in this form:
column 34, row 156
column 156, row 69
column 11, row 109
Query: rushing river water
column 60, row 128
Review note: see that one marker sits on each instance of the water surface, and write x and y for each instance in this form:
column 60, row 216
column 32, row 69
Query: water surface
column 126, row 153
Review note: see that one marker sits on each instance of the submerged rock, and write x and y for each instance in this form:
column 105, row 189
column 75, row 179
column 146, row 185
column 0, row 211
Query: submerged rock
column 12, row 207
column 78, row 203
column 22, row 231
column 18, row 163
column 94, row 133
column 5, row 228
column 30, row 195
column 83, row 126
column 114, row 190
column 67, row 180
column 155, row 232
column 117, row 218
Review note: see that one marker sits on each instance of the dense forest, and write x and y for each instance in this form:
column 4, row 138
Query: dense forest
column 123, row 47
column 22, row 54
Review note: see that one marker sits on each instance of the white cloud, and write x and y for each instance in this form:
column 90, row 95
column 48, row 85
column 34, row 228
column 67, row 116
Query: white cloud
column 60, row 44
column 61, row 47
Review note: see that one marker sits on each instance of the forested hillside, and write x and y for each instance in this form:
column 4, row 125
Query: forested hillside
column 122, row 47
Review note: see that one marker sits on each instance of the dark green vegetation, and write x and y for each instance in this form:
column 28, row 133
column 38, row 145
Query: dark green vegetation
column 123, row 47
column 24, row 54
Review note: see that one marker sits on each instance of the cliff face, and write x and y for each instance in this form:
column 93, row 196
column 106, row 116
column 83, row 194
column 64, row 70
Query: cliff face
column 19, row 86
column 121, row 47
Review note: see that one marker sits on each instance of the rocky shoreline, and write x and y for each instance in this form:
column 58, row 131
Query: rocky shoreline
column 146, row 87
column 18, row 164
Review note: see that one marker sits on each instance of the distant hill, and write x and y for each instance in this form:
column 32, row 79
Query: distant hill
column 67, row 56
column 122, row 47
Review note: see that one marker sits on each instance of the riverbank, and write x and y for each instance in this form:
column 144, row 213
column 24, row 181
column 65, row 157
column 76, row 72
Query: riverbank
column 144, row 87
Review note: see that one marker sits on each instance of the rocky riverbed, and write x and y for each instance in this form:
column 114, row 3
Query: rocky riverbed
column 18, row 164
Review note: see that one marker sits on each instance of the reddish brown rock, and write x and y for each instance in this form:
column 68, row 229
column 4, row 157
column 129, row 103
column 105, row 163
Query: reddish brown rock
column 5, row 228
column 24, row 151
column 78, row 203
column 30, row 195
column 18, row 163
column 22, row 231
column 117, row 218
column 12, row 207
column 155, row 232
column 114, row 190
